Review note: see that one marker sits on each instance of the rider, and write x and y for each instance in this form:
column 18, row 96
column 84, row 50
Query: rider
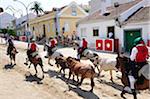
column 138, row 57
column 33, row 48
column 52, row 45
column 10, row 46
column 83, row 46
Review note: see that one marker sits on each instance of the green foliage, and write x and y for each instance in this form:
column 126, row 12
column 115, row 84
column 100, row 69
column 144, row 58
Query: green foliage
column 37, row 8
column 9, row 31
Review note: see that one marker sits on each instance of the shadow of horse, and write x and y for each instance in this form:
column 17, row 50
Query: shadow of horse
column 83, row 93
column 9, row 66
column 114, row 85
column 61, row 76
column 33, row 78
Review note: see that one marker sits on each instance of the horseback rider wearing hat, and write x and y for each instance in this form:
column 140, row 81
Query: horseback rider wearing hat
column 33, row 48
column 10, row 46
column 138, row 58
column 83, row 46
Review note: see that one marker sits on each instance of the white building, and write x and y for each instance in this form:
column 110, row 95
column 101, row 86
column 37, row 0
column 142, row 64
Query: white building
column 101, row 4
column 6, row 20
column 133, row 17
column 20, row 24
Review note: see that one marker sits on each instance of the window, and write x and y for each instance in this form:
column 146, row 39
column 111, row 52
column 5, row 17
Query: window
column 74, row 10
column 83, row 32
column 95, row 31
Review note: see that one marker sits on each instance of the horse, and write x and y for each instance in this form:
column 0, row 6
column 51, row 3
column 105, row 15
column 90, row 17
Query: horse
column 51, row 53
column 12, row 54
column 123, row 65
column 37, row 60
column 79, row 69
column 62, row 63
column 105, row 64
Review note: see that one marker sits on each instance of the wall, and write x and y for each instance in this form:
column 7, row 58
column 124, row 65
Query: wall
column 119, row 32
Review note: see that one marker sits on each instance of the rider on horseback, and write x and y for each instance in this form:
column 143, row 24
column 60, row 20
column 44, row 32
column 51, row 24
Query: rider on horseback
column 33, row 48
column 138, row 57
column 51, row 47
column 10, row 46
column 83, row 46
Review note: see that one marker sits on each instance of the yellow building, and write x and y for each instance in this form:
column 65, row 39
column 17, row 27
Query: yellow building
column 58, row 21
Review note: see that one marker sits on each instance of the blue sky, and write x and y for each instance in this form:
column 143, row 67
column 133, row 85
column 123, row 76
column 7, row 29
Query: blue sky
column 46, row 4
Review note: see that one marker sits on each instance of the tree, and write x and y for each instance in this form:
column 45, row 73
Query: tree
column 37, row 8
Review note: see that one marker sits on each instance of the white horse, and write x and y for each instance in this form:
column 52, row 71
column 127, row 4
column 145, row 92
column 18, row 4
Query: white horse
column 104, row 63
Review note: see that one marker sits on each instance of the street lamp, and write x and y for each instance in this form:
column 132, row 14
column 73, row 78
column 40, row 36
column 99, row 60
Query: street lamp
column 26, row 7
column 11, row 8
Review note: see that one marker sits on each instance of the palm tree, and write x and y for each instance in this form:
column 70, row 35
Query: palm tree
column 37, row 8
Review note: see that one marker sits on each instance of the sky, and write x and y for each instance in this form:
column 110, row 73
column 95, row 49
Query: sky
column 47, row 5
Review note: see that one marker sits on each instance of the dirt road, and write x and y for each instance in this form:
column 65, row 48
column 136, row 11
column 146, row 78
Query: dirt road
column 14, row 84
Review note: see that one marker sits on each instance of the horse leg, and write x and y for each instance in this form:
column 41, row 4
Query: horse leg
column 60, row 70
column 111, row 76
column 30, row 65
column 35, row 69
column 10, row 60
column 49, row 61
column 98, row 71
column 134, row 93
column 92, row 84
column 69, row 75
column 14, row 58
column 64, row 72
column 79, row 84
column 122, row 94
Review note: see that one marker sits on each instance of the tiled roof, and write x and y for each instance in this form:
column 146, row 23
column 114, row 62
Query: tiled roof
column 112, row 10
column 142, row 15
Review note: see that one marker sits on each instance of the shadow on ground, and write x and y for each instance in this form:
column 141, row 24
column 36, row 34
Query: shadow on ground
column 72, row 85
column 9, row 66
column 33, row 78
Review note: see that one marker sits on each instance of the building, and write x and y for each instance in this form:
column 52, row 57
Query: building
column 126, row 22
column 20, row 24
column 102, row 4
column 6, row 20
column 59, row 21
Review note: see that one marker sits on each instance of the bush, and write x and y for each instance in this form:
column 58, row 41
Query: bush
column 9, row 31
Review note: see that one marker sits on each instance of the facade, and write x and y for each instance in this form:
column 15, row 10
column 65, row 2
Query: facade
column 126, row 22
column 59, row 21
column 20, row 24
column 6, row 20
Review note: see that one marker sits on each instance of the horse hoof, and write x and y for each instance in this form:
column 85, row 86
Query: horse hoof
column 122, row 93
column 50, row 64
column 15, row 64
column 26, row 63
column 91, row 90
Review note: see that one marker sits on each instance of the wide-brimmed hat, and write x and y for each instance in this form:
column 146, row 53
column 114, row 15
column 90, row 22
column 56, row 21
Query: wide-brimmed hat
column 138, row 40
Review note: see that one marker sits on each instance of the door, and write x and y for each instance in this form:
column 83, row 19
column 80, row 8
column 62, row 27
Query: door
column 111, row 30
column 129, row 36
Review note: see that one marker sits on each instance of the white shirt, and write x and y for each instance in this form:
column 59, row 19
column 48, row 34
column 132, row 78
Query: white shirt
column 134, row 52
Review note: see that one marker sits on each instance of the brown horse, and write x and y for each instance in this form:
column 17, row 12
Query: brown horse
column 79, row 69
column 122, row 64
column 35, row 61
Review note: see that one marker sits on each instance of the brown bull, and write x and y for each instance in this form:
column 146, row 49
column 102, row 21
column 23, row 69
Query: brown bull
column 80, row 69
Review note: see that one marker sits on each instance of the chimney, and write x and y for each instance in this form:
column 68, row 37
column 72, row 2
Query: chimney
column 104, row 8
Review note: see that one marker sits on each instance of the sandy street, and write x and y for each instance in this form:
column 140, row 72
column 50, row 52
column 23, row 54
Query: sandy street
column 14, row 85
